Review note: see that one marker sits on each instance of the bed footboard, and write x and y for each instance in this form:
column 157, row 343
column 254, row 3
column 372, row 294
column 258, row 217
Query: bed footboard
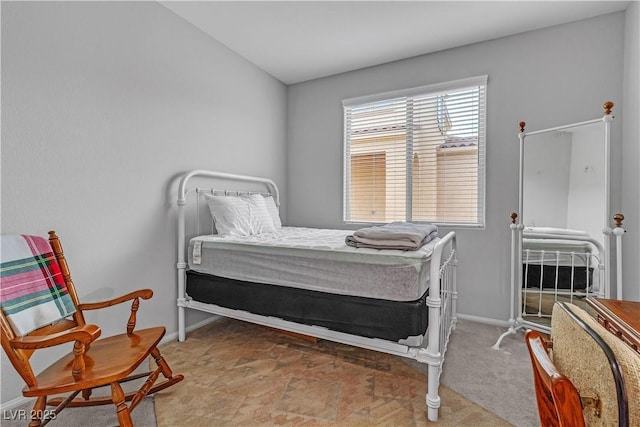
column 559, row 270
column 442, row 316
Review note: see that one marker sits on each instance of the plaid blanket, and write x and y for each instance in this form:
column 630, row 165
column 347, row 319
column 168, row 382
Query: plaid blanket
column 32, row 291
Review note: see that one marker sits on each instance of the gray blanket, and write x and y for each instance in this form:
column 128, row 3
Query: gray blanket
column 396, row 235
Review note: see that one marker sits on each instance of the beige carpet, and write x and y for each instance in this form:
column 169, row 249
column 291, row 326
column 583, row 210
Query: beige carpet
column 242, row 374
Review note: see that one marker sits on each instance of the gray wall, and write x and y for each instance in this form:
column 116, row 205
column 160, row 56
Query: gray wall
column 104, row 104
column 549, row 77
column 631, row 149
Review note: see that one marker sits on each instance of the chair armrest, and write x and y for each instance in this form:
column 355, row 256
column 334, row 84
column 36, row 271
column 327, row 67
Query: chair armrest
column 141, row 293
column 135, row 296
column 84, row 334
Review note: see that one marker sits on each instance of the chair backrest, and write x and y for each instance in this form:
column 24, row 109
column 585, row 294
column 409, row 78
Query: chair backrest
column 591, row 357
column 559, row 402
column 37, row 296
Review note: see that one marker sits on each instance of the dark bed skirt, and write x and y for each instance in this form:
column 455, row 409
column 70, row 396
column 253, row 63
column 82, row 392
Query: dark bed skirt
column 564, row 273
column 367, row 317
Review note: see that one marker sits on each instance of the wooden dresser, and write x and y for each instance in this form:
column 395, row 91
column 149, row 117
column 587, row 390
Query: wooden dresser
column 621, row 318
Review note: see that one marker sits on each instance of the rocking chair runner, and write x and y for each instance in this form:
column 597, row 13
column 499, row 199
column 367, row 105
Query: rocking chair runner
column 26, row 326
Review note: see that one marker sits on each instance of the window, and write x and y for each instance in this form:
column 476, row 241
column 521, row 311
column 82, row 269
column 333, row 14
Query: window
column 416, row 155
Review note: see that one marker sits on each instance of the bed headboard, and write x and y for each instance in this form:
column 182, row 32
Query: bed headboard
column 193, row 213
column 194, row 217
column 214, row 176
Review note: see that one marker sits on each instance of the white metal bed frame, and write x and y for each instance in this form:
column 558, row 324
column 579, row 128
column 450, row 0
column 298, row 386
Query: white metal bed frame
column 441, row 300
column 517, row 312
column 545, row 258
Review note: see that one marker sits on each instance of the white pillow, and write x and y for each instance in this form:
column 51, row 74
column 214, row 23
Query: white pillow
column 261, row 218
column 240, row 216
column 273, row 211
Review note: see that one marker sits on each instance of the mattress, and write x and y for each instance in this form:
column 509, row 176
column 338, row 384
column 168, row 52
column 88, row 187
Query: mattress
column 315, row 260
column 563, row 243
column 556, row 245
column 403, row 322
column 555, row 230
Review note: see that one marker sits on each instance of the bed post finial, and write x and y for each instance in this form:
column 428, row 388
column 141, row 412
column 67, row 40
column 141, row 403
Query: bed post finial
column 522, row 125
column 618, row 218
column 514, row 217
column 608, row 106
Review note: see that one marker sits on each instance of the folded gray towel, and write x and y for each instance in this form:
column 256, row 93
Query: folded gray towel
column 396, row 235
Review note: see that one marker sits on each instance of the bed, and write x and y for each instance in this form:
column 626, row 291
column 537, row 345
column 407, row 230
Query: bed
column 309, row 281
column 558, row 265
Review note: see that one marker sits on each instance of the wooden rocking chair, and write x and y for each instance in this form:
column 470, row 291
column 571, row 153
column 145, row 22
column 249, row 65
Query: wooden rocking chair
column 93, row 362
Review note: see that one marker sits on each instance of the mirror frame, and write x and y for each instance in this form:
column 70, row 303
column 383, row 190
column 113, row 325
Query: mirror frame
column 517, row 226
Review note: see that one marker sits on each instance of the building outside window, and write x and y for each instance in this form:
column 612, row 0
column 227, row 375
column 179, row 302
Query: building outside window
column 416, row 155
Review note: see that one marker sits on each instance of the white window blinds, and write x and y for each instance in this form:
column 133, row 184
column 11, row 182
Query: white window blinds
column 416, row 155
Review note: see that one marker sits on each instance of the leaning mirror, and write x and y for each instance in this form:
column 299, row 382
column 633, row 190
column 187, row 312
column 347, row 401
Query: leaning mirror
column 560, row 235
column 564, row 178
column 560, row 240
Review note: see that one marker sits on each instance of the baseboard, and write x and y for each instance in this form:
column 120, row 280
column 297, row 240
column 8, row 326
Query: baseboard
column 485, row 320
column 174, row 336
column 14, row 403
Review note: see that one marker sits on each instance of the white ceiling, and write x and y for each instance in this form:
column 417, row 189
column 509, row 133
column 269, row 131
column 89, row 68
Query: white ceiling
column 297, row 41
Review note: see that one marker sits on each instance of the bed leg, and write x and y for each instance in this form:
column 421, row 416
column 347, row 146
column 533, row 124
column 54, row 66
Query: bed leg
column 434, row 360
column 181, row 324
column 433, row 398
